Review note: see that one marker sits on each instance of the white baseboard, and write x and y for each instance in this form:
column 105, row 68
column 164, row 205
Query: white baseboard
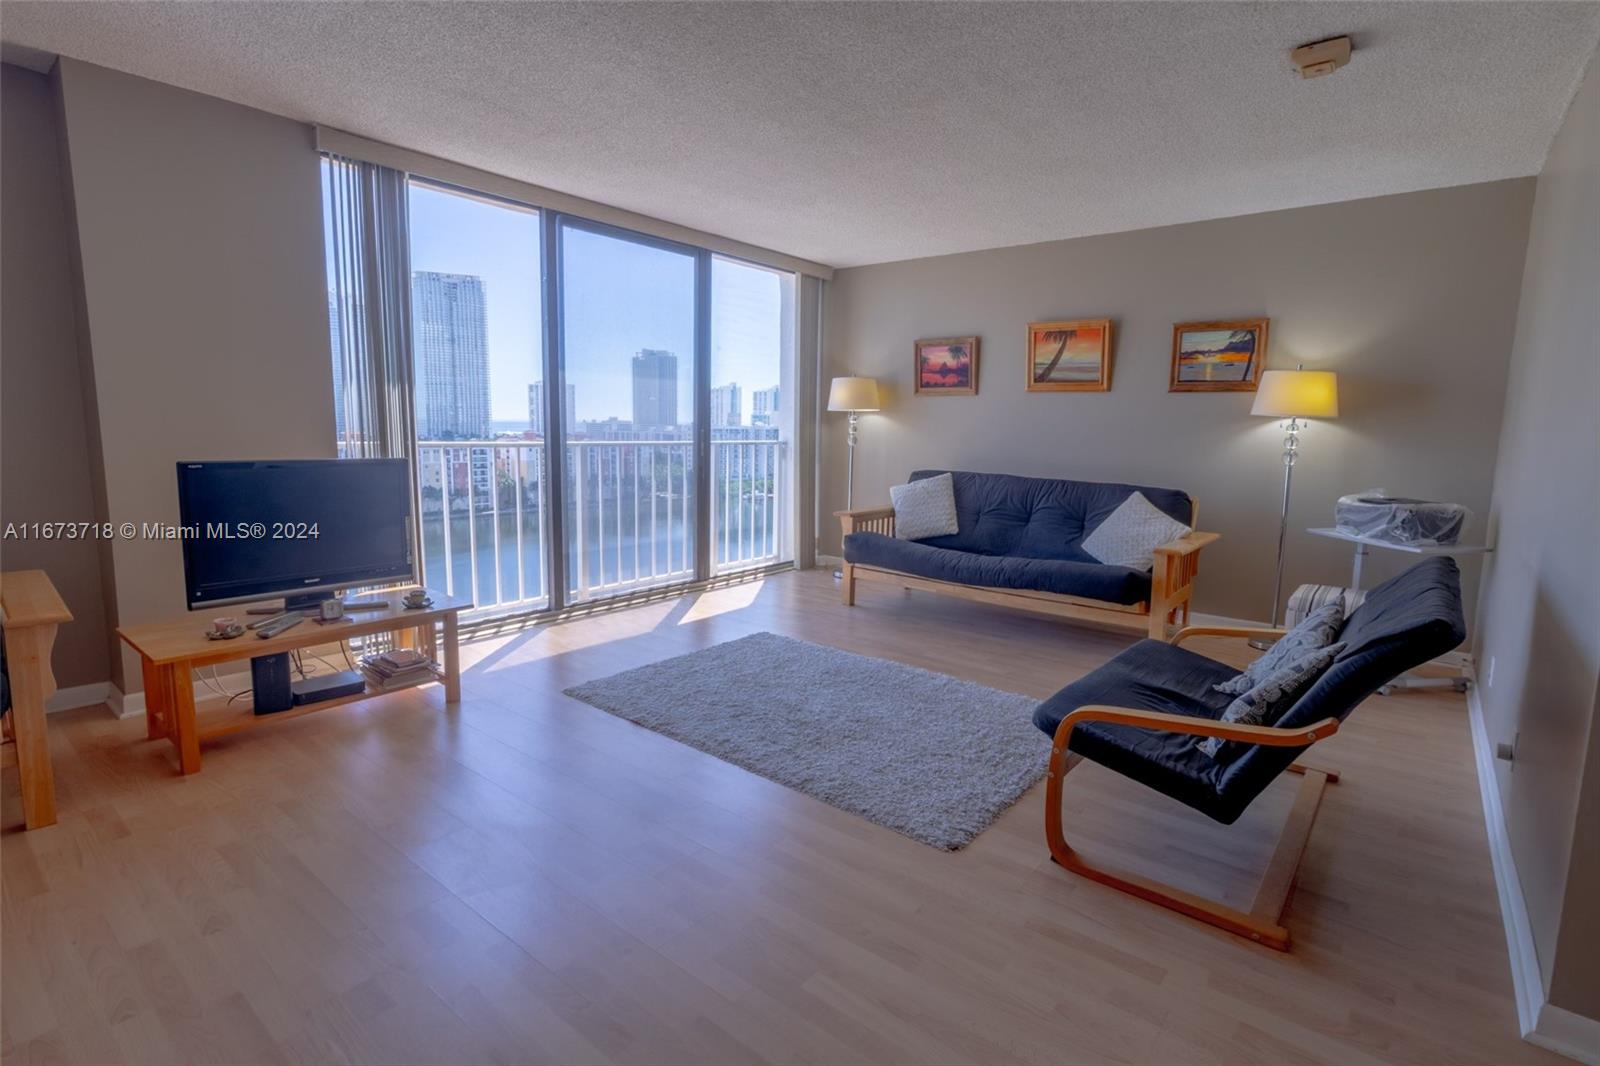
column 124, row 706
column 834, row 561
column 66, row 699
column 75, row 696
column 1200, row 618
column 1526, row 979
column 1568, row 1034
column 1541, row 1023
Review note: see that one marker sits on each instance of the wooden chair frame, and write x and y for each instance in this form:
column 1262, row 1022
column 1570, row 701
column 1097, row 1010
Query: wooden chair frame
column 32, row 612
column 1177, row 563
column 1263, row 922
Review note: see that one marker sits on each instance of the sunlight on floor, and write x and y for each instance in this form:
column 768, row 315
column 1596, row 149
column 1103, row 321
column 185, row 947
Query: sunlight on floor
column 499, row 652
column 720, row 601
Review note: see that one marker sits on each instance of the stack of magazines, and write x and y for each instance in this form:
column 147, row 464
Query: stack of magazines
column 397, row 669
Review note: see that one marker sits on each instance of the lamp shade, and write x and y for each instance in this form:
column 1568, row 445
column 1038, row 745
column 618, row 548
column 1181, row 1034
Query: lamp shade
column 1297, row 394
column 853, row 394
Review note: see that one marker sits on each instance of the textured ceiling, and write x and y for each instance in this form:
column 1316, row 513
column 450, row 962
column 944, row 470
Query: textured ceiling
column 853, row 133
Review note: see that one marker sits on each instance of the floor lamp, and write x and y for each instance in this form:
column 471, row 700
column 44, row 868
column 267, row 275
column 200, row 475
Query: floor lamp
column 852, row 395
column 1292, row 395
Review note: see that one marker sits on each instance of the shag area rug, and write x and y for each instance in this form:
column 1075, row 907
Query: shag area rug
column 927, row 755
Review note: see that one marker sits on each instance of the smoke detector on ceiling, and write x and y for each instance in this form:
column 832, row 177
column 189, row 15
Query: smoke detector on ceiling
column 1321, row 57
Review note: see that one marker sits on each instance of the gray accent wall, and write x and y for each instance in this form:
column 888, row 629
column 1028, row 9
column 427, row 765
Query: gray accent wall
column 45, row 467
column 204, row 320
column 1412, row 299
column 1539, row 620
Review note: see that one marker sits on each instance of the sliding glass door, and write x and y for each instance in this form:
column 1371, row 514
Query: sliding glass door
column 628, row 361
column 752, row 415
column 477, row 344
column 597, row 412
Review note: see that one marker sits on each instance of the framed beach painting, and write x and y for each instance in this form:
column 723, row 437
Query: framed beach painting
column 1218, row 356
column 947, row 366
column 1069, row 356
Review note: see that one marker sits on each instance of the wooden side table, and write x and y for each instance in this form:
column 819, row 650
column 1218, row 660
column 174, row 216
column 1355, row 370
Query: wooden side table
column 33, row 609
column 170, row 651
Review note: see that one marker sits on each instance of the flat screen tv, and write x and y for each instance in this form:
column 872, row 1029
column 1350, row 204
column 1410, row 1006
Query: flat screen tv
column 300, row 529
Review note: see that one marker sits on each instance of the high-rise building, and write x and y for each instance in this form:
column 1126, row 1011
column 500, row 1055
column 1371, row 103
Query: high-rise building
column 336, row 335
column 655, row 390
column 451, row 335
column 614, row 428
column 343, row 316
column 725, row 406
column 537, row 412
column 764, row 406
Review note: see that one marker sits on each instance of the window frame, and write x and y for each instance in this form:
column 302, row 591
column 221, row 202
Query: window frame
column 551, row 283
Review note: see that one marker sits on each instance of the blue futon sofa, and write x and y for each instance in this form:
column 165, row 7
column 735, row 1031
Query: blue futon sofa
column 1019, row 543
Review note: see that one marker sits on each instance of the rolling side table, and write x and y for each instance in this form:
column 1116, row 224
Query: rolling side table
column 1363, row 547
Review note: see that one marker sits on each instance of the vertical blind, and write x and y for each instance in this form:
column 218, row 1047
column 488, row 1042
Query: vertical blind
column 369, row 285
column 808, row 419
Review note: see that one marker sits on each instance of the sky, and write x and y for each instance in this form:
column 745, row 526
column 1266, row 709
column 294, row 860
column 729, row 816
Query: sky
column 620, row 296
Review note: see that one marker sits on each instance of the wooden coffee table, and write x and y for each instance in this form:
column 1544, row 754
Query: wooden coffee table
column 170, row 652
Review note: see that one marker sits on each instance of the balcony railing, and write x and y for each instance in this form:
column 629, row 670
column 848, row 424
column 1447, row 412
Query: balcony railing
column 749, row 508
column 630, row 516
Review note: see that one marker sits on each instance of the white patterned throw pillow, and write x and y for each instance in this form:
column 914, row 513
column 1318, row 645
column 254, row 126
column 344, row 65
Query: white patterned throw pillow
column 925, row 508
column 1130, row 535
column 1265, row 703
column 1317, row 630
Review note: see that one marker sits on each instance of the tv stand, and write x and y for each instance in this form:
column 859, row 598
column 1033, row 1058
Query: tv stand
column 170, row 651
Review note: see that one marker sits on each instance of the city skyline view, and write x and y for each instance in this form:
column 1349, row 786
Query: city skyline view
column 606, row 326
column 635, row 483
column 452, row 378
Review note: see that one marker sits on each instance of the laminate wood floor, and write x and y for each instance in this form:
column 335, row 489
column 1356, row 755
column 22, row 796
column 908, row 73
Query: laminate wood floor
column 525, row 878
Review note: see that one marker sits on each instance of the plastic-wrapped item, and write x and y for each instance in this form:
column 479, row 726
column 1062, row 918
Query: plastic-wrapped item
column 1398, row 519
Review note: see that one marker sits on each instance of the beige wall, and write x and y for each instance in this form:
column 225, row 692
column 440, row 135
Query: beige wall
column 205, row 313
column 1411, row 298
column 1539, row 634
column 44, row 444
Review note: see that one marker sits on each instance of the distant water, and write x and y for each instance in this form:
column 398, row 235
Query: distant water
column 1069, row 371
column 612, row 555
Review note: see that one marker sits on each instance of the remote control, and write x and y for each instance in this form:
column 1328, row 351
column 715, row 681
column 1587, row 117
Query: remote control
column 279, row 625
column 263, row 623
column 366, row 605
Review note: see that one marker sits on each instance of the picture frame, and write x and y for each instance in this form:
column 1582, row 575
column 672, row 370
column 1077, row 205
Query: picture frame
column 945, row 366
column 1219, row 356
column 1072, row 355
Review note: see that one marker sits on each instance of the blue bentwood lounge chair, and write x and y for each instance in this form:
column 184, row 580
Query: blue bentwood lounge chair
column 1144, row 713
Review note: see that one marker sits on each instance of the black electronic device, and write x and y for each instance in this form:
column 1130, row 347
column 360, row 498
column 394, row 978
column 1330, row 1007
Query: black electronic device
column 300, row 529
column 328, row 687
column 270, row 683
